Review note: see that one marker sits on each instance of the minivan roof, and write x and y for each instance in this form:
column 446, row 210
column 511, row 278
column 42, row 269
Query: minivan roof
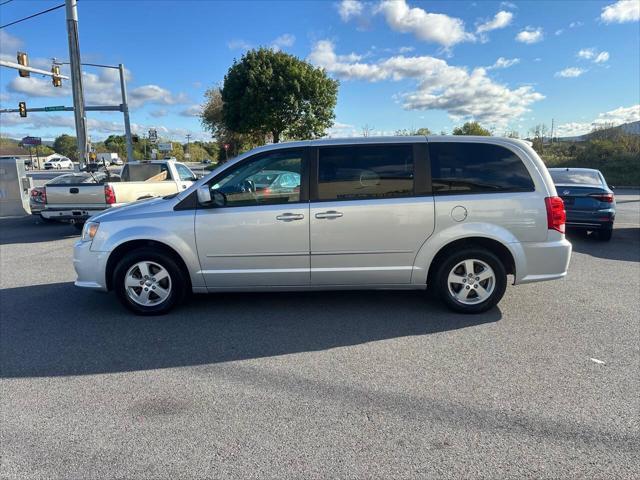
column 392, row 139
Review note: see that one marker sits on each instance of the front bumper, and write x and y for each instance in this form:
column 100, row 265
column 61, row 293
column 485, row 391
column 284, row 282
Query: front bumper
column 543, row 261
column 90, row 267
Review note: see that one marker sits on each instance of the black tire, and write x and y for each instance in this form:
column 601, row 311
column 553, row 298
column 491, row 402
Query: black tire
column 447, row 264
column 44, row 219
column 605, row 234
column 179, row 282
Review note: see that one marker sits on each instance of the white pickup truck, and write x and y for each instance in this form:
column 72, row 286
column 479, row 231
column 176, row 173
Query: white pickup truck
column 138, row 180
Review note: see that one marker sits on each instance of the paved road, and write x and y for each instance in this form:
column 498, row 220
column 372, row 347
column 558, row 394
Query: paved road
column 321, row 385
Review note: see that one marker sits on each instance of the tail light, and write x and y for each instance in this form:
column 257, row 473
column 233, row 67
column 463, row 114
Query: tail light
column 44, row 195
column 603, row 197
column 556, row 215
column 35, row 193
column 109, row 195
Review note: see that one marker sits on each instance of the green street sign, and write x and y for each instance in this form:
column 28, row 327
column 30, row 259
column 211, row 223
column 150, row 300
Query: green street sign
column 57, row 108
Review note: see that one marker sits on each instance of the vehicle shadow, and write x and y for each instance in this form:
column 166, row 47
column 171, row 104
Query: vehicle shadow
column 89, row 333
column 624, row 245
column 32, row 229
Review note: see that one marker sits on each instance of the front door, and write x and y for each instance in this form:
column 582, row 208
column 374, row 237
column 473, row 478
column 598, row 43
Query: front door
column 371, row 212
column 260, row 237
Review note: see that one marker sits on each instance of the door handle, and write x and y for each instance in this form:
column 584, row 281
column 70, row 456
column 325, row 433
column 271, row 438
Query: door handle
column 290, row 217
column 74, row 190
column 330, row 214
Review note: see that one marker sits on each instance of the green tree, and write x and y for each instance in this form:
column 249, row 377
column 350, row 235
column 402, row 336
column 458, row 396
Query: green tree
column 213, row 120
column 472, row 128
column 66, row 145
column 197, row 152
column 117, row 144
column 269, row 92
column 419, row 131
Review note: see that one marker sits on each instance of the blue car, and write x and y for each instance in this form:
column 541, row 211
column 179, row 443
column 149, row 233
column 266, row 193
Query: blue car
column 588, row 200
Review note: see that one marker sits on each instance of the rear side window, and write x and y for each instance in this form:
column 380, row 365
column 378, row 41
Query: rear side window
column 366, row 172
column 458, row 168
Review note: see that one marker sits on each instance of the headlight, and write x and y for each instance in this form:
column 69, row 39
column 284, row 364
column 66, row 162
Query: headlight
column 89, row 231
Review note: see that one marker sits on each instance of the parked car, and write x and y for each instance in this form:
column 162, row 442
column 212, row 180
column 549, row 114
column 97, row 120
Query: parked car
column 588, row 200
column 138, row 180
column 457, row 214
column 37, row 197
column 58, row 163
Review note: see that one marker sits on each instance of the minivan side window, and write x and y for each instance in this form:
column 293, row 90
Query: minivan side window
column 365, row 172
column 258, row 180
column 458, row 168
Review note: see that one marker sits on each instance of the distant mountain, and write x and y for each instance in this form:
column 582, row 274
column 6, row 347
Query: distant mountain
column 632, row 128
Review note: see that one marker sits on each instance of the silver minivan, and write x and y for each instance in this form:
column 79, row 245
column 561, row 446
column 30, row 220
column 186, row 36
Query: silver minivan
column 455, row 214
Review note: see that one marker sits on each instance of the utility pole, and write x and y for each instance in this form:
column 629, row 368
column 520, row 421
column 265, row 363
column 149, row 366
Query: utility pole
column 188, row 145
column 125, row 111
column 552, row 128
column 76, row 80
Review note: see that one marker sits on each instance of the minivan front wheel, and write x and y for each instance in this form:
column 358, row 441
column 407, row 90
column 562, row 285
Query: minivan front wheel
column 471, row 281
column 148, row 282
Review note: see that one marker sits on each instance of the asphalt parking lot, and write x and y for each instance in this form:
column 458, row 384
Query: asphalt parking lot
column 321, row 385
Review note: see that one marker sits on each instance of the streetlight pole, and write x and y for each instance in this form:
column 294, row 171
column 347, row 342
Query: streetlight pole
column 188, row 145
column 76, row 80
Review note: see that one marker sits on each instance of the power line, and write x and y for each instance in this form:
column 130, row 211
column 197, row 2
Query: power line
column 4, row 3
column 34, row 15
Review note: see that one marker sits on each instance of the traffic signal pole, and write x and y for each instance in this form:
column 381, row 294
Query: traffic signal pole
column 76, row 81
column 125, row 111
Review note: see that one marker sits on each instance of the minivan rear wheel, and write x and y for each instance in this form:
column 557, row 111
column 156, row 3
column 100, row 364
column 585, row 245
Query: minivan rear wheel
column 149, row 282
column 471, row 281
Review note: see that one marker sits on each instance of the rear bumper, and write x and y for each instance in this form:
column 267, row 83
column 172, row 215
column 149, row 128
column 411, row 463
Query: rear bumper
column 543, row 261
column 75, row 214
column 90, row 267
column 591, row 219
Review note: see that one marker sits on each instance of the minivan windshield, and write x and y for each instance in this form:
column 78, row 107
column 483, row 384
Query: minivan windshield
column 575, row 177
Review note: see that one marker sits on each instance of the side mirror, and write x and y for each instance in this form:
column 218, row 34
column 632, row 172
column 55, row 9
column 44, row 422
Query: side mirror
column 219, row 198
column 204, row 195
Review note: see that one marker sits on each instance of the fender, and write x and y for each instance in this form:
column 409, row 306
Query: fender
column 180, row 238
column 438, row 241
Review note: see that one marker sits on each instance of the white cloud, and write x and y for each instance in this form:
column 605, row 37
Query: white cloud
column 570, row 72
column 510, row 5
column 559, row 31
column 440, row 86
column 504, row 63
column 614, row 117
column 622, row 11
column 429, row 27
column 285, row 40
column 500, row 20
column 348, row 9
column 154, row 94
column 99, row 89
column 161, row 112
column 239, row 44
column 192, row 111
column 587, row 53
column 530, row 35
column 594, row 55
column 9, row 45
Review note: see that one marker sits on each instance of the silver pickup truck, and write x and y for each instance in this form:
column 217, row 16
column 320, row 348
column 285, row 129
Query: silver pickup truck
column 138, row 180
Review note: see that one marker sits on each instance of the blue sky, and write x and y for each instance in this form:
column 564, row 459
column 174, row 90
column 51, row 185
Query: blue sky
column 402, row 64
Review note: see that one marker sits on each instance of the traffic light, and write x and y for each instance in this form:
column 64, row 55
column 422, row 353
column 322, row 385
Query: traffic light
column 22, row 106
column 55, row 79
column 23, row 59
